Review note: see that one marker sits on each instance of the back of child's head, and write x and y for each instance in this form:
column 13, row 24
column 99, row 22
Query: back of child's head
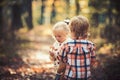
column 61, row 26
column 79, row 26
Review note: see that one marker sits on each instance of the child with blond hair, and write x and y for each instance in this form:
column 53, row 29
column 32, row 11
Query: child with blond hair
column 61, row 35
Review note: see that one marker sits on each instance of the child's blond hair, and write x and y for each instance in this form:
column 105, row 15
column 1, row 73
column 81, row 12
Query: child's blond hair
column 61, row 26
column 79, row 26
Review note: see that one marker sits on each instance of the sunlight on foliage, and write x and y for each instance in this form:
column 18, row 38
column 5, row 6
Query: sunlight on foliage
column 106, row 49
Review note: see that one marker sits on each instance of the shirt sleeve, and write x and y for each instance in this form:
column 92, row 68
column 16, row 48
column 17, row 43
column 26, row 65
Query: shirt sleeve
column 52, row 51
column 62, row 54
column 93, row 54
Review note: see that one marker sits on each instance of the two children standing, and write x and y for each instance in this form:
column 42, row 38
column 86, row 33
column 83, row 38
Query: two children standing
column 73, row 56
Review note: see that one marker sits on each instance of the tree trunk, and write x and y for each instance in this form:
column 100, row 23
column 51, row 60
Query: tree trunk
column 77, row 7
column 53, row 12
column 16, row 17
column 42, row 18
column 27, row 12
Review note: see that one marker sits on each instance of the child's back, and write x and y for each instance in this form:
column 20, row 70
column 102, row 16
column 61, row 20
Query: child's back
column 79, row 53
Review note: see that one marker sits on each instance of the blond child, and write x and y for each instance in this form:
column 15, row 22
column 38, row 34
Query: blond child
column 61, row 35
column 79, row 53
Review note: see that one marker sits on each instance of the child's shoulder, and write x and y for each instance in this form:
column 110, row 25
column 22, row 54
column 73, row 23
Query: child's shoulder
column 67, row 40
column 71, row 41
column 56, row 44
column 90, row 42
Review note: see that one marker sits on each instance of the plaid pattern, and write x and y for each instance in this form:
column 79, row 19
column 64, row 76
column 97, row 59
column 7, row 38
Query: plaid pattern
column 57, row 46
column 78, row 55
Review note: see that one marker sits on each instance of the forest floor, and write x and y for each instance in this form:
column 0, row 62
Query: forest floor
column 31, row 60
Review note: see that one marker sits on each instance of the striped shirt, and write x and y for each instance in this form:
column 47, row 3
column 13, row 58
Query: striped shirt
column 78, row 56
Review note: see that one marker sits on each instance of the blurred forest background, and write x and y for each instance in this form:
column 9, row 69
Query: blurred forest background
column 25, row 27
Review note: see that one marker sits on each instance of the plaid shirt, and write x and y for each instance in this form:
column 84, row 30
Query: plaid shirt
column 78, row 56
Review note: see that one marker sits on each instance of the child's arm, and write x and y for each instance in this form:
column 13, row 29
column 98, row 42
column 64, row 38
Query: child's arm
column 52, row 56
column 62, row 59
column 93, row 57
column 62, row 54
column 51, row 53
column 61, row 68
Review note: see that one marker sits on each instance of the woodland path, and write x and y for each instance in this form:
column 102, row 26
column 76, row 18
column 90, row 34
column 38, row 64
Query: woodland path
column 32, row 61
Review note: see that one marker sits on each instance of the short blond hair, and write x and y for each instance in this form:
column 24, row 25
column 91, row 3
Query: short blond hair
column 61, row 26
column 79, row 26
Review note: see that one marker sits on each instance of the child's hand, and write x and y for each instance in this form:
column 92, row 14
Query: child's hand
column 52, row 47
column 61, row 68
column 51, row 53
column 95, row 64
column 52, row 50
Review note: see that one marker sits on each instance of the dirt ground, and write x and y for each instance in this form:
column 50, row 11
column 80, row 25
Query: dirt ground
column 31, row 61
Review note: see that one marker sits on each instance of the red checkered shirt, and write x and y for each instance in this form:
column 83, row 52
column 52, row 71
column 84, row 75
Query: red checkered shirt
column 78, row 56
